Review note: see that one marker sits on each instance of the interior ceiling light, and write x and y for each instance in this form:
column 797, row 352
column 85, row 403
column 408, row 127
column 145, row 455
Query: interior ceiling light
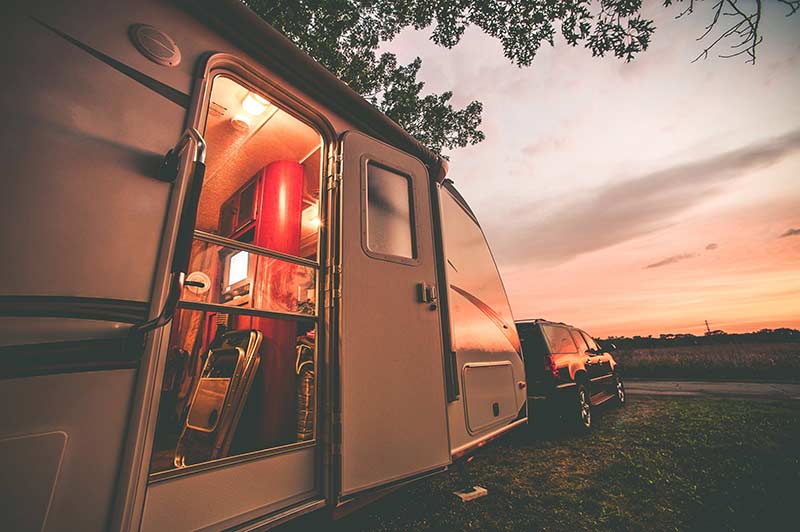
column 241, row 122
column 254, row 104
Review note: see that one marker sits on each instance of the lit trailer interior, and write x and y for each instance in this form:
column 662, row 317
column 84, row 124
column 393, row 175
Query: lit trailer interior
column 293, row 309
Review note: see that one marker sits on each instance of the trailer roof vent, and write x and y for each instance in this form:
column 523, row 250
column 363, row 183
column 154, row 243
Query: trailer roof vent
column 155, row 45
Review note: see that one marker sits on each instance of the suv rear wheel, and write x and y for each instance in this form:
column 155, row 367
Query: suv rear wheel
column 621, row 397
column 583, row 412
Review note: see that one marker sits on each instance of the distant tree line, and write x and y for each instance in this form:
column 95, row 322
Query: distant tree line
column 764, row 336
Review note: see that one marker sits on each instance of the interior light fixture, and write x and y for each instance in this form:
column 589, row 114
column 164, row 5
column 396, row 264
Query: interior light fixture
column 254, row 104
column 315, row 222
column 241, row 122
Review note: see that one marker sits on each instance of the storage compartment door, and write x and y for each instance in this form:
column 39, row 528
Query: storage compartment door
column 490, row 395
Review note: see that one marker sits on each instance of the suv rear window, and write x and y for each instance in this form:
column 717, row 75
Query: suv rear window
column 559, row 339
column 534, row 349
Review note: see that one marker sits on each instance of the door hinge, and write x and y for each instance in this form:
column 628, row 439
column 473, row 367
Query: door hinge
column 336, row 437
column 331, row 299
column 334, row 282
column 333, row 181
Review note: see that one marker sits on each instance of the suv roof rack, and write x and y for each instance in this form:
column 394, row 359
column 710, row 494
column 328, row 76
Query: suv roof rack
column 542, row 320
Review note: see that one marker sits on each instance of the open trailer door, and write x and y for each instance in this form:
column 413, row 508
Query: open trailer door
column 392, row 396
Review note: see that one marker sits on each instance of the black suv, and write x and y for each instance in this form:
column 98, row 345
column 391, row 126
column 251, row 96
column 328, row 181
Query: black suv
column 567, row 367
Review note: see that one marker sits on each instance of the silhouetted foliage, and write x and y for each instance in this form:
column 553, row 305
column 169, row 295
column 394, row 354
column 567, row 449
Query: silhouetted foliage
column 344, row 36
column 764, row 336
column 743, row 29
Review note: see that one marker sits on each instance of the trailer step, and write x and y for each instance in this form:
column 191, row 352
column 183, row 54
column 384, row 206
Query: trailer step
column 476, row 492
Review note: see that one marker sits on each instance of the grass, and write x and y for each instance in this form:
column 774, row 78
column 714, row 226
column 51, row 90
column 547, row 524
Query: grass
column 713, row 362
column 655, row 465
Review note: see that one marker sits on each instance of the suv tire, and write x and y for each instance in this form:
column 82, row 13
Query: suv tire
column 583, row 409
column 622, row 397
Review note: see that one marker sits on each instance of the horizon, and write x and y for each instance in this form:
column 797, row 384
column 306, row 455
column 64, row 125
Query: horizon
column 634, row 198
column 715, row 333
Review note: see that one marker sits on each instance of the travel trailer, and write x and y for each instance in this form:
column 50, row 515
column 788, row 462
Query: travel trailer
column 232, row 291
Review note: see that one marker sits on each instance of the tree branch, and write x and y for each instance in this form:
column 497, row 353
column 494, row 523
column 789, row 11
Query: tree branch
column 744, row 29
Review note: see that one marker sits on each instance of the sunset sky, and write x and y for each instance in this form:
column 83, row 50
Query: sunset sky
column 636, row 198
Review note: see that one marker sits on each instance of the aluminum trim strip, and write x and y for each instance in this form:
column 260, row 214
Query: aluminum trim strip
column 242, row 246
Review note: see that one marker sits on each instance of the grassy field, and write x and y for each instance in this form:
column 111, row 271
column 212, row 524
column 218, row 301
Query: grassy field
column 657, row 464
column 733, row 361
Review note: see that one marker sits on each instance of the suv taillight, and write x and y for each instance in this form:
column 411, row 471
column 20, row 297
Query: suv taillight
column 550, row 366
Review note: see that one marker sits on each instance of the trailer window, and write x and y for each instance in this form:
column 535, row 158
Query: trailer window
column 241, row 362
column 389, row 220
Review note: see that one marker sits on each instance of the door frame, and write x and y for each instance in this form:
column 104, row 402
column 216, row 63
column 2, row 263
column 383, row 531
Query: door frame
column 132, row 481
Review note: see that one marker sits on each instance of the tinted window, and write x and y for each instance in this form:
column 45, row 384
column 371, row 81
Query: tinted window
column 559, row 339
column 579, row 341
column 533, row 345
column 389, row 213
column 590, row 341
column 534, row 349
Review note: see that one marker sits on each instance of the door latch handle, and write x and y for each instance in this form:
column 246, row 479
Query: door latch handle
column 427, row 294
column 193, row 140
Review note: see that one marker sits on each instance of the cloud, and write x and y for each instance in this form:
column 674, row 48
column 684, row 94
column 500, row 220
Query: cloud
column 790, row 232
column 546, row 145
column 677, row 258
column 589, row 220
column 671, row 260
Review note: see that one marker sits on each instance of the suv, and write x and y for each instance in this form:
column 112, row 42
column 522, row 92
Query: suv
column 568, row 367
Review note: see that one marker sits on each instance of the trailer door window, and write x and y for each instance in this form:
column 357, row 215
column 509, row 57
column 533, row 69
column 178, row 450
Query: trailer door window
column 242, row 359
column 389, row 214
